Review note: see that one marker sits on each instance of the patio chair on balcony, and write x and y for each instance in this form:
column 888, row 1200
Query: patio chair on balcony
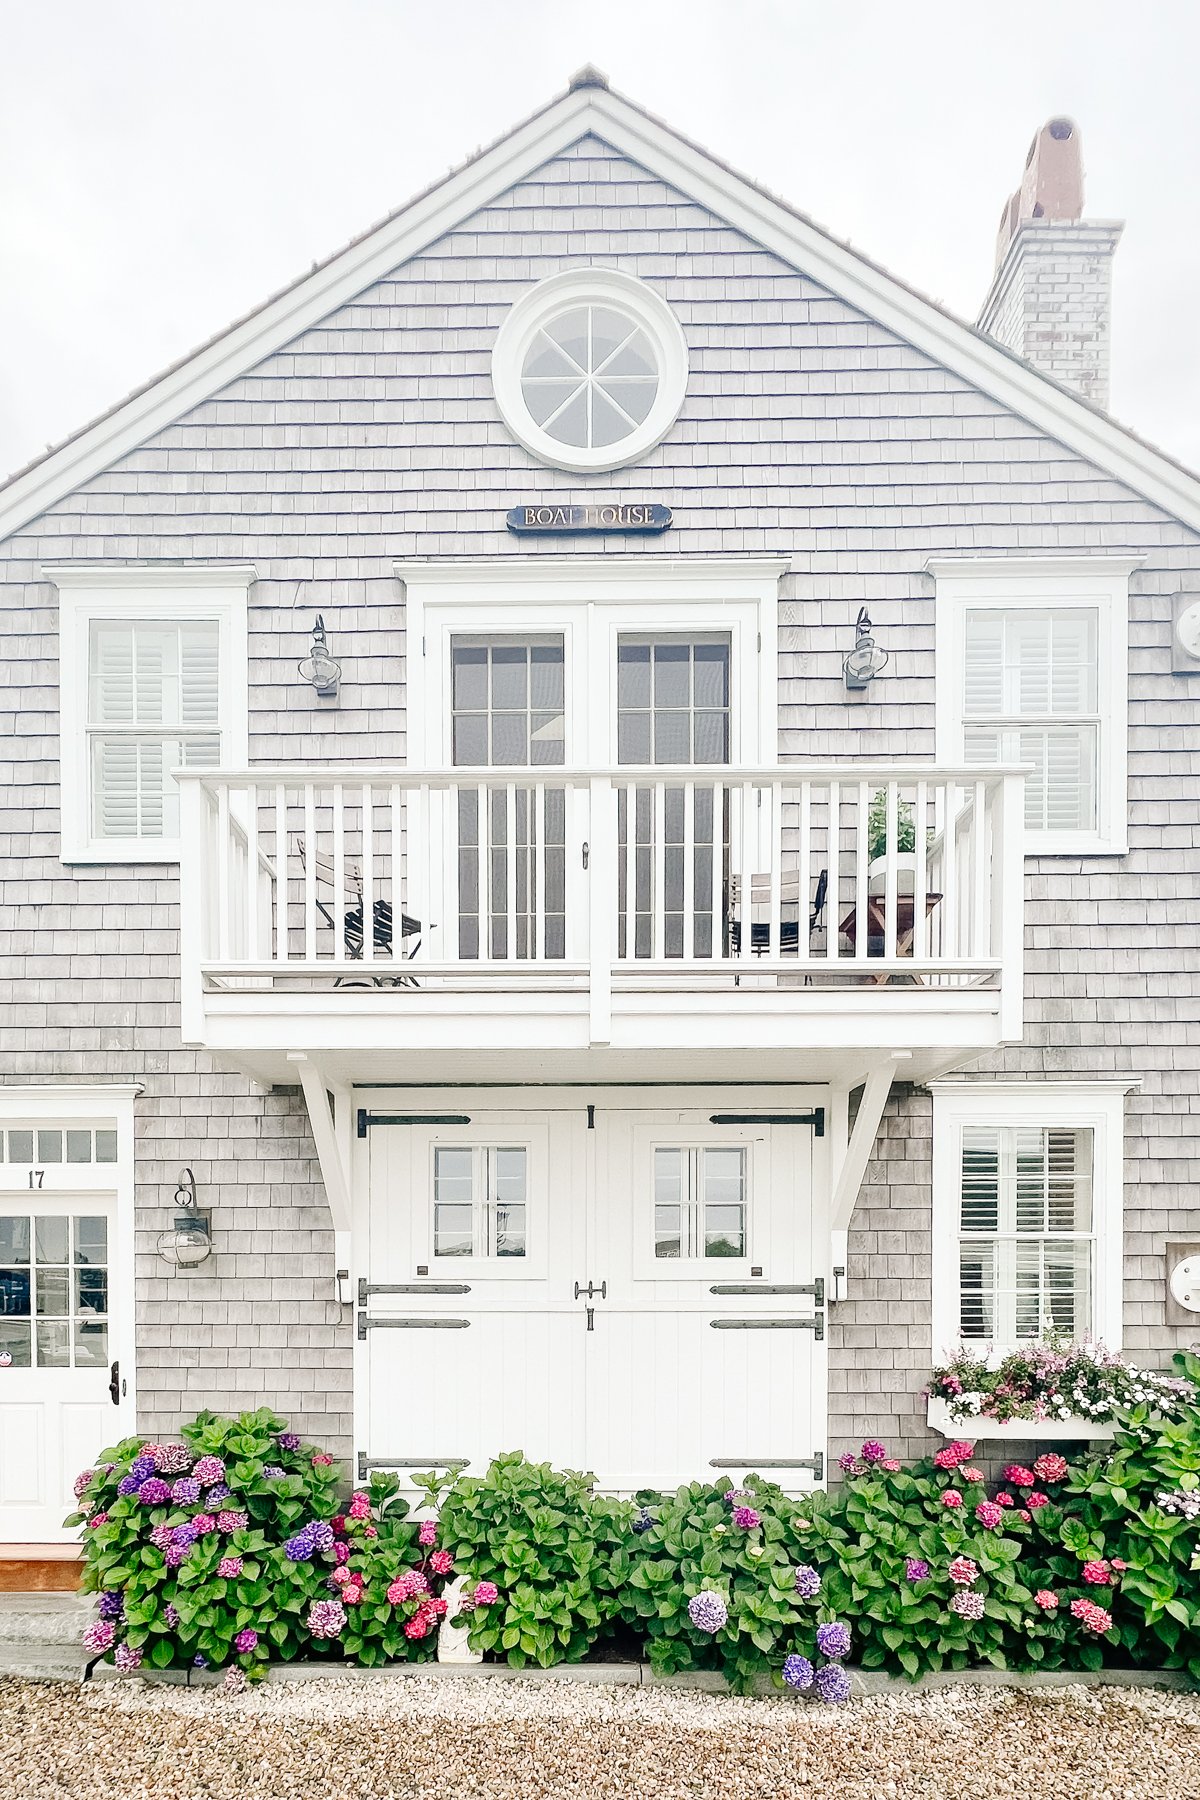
column 382, row 920
column 791, row 908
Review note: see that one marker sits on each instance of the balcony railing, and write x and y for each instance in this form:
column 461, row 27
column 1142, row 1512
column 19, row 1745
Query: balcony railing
column 303, row 878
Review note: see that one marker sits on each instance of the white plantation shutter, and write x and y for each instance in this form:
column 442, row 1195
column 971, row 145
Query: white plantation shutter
column 1026, row 1232
column 153, row 707
column 1030, row 695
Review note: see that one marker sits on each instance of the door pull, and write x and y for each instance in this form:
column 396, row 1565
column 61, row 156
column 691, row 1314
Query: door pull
column 591, row 1291
column 114, row 1384
column 591, row 1318
column 586, row 854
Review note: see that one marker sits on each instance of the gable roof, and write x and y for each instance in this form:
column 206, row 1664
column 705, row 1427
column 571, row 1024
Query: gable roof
column 590, row 107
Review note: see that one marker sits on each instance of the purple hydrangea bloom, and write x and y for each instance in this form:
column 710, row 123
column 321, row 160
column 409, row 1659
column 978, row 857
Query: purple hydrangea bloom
column 199, row 1662
column 798, row 1672
column 176, row 1554
column 186, row 1491
column 215, row 1495
column 127, row 1658
column 154, row 1491
column 833, row 1684
column 326, row 1618
column 229, row 1568
column 873, row 1451
column 209, row 1468
column 172, row 1459
column 184, row 1534
column 967, row 1605
column 273, row 1473
column 235, row 1681
column 847, row 1461
column 141, row 1466
column 246, row 1641
column 808, row 1582
column 231, row 1519
column 746, row 1518
column 100, row 1635
column 321, row 1534
column 81, row 1482
column 707, row 1611
column 171, row 1614
column 833, row 1640
column 111, row 1605
column 128, row 1484
column 643, row 1521
column 288, row 1440
column 916, row 1569
column 299, row 1548
column 161, row 1536
column 737, row 1496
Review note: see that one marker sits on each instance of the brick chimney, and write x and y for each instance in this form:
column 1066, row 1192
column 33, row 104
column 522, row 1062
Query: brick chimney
column 1051, row 295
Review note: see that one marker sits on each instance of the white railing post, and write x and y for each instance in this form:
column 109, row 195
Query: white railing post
column 1008, row 901
column 602, row 904
column 194, row 876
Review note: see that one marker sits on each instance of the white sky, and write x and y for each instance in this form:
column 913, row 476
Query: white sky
column 166, row 164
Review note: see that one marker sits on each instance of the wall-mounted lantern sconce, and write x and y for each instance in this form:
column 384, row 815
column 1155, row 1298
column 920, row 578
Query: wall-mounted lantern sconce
column 864, row 662
column 319, row 669
column 189, row 1243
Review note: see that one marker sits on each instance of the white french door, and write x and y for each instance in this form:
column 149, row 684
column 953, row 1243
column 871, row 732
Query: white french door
column 625, row 1289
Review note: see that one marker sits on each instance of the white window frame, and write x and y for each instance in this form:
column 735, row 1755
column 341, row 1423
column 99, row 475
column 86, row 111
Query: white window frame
column 1011, row 584
column 690, row 1135
column 185, row 594
column 1098, row 1106
column 534, row 1140
column 592, row 603
column 557, row 294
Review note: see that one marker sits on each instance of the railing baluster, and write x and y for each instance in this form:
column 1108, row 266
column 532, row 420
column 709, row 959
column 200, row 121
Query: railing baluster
column 370, row 951
column 659, row 866
column 483, row 824
column 250, row 899
column 774, row 837
column 806, row 875
column 862, row 857
column 834, row 852
column 949, row 902
column 511, row 945
column 921, row 873
column 282, row 864
column 424, row 865
column 688, row 947
column 718, row 939
column 223, row 873
column 891, row 885
column 310, row 873
column 631, row 871
column 537, row 866
column 339, row 881
column 979, row 882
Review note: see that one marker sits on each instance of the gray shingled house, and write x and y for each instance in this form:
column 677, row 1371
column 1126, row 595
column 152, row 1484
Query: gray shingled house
column 601, row 842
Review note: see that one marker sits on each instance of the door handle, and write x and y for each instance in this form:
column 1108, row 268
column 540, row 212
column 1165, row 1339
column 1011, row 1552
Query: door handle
column 591, row 1291
column 114, row 1384
column 586, row 853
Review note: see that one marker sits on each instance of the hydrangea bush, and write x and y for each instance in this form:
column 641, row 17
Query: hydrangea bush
column 1051, row 1381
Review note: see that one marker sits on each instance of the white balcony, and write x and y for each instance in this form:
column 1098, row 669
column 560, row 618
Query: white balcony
column 658, row 923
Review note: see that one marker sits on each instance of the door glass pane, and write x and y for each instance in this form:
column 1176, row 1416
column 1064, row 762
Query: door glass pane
column 667, row 1231
column 53, row 1291
column 91, row 1344
column 452, row 1173
column 724, row 1231
column 509, row 1230
column 50, row 1239
column 49, row 1146
column 79, row 1146
column 20, row 1146
column 723, row 1186
column 91, row 1240
column 14, row 1293
column 452, row 1230
column 106, row 1146
column 509, row 1174
column 14, row 1341
column 14, row 1238
column 91, row 1290
column 53, row 1344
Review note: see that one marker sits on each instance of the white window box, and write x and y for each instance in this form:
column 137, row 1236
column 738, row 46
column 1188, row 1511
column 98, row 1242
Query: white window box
column 987, row 1430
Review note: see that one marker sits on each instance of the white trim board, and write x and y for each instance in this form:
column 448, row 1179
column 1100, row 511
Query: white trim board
column 765, row 220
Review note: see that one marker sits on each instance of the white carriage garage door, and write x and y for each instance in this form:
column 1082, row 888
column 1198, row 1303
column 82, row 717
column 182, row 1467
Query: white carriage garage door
column 627, row 1291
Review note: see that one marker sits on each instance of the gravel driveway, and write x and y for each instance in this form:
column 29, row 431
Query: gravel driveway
column 395, row 1739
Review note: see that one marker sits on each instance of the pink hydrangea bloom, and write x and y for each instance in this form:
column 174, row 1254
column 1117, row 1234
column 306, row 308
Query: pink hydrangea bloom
column 338, row 1522
column 418, row 1626
column 951, row 1497
column 746, row 1518
column 1033, row 1501
column 971, row 1474
column 204, row 1522
column 1019, row 1475
column 1050, row 1467
column 161, row 1536
column 370, row 1531
column 81, row 1481
column 1026, row 1515
column 100, row 1635
column 967, row 1605
column 359, row 1507
column 321, row 1461
column 441, row 1562
column 989, row 1514
column 230, row 1519
column 945, row 1458
column 1047, row 1600
column 352, row 1593
column 209, row 1469
column 341, row 1553
column 326, row 1618
column 97, row 1519
column 891, row 1464
column 229, row 1567
column 1118, row 1564
column 1096, row 1574
column 1093, row 1617
column 485, row 1593
column 963, row 1572
column 397, row 1592
column 428, row 1532
column 341, row 1576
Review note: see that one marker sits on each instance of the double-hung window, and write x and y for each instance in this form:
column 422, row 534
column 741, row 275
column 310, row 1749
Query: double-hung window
column 1027, row 1212
column 153, row 674
column 1031, row 669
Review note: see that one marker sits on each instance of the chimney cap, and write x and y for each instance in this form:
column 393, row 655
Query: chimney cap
column 1052, row 183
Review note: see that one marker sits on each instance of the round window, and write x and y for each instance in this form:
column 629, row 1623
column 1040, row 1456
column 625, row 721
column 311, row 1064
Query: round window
column 590, row 369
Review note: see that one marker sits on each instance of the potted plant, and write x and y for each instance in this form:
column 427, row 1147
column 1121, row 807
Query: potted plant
column 903, row 859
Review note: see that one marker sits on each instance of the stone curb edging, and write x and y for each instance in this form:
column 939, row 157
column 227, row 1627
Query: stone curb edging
column 863, row 1682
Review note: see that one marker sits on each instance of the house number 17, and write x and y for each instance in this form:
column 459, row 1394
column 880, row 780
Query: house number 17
column 36, row 1177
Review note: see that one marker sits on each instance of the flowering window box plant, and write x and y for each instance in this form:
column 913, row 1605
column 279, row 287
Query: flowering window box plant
column 1047, row 1390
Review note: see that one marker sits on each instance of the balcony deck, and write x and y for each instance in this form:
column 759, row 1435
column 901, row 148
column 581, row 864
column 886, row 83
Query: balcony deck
column 659, row 923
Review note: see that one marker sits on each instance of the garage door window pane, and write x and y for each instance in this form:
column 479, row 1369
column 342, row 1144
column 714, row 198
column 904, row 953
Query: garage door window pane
column 700, row 1205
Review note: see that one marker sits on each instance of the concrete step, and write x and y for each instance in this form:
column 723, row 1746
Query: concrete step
column 45, row 1618
column 43, row 1662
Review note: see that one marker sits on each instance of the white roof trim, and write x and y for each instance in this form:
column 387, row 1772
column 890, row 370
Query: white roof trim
column 993, row 370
